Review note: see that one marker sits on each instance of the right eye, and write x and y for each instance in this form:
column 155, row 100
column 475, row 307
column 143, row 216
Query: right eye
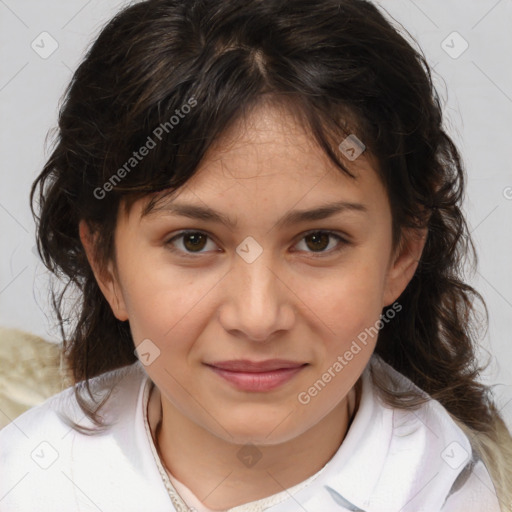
column 192, row 242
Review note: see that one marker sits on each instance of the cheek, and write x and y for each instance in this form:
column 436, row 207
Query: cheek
column 166, row 303
column 348, row 300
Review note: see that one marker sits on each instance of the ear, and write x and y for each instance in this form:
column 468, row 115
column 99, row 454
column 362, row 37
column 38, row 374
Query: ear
column 105, row 277
column 404, row 263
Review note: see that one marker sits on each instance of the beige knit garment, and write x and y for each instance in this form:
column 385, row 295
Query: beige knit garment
column 30, row 372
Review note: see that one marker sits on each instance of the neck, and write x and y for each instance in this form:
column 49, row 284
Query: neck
column 206, row 465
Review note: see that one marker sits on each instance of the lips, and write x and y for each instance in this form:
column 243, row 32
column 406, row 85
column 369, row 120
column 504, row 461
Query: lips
column 247, row 366
column 257, row 376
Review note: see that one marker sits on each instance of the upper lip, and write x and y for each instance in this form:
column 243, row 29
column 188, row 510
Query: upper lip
column 244, row 365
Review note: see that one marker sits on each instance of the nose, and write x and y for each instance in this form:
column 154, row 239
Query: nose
column 257, row 304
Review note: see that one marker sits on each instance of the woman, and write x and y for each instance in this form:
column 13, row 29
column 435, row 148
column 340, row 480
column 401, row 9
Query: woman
column 259, row 198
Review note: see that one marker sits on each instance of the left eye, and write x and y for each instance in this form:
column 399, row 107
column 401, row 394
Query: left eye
column 194, row 241
column 319, row 240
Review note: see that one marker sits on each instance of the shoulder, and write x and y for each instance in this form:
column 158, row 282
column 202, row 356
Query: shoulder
column 55, row 414
column 429, row 449
column 40, row 449
column 413, row 460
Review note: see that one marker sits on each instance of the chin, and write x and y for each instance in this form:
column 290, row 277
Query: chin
column 263, row 433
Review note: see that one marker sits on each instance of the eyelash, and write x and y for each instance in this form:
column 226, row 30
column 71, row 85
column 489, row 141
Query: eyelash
column 341, row 243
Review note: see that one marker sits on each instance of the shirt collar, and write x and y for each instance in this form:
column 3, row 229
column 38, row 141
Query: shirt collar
column 369, row 453
column 349, row 482
column 391, row 458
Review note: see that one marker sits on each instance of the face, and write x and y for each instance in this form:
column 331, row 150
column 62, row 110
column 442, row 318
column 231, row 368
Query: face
column 276, row 284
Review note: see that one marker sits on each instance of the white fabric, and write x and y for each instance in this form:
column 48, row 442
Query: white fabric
column 391, row 460
column 154, row 414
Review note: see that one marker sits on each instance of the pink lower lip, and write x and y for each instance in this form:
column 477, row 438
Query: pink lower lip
column 260, row 381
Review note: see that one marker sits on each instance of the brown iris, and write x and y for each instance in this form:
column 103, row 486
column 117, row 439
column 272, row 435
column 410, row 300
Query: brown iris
column 320, row 240
column 196, row 241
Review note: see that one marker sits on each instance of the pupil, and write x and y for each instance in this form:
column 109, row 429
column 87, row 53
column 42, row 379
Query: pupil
column 196, row 242
column 320, row 241
column 317, row 236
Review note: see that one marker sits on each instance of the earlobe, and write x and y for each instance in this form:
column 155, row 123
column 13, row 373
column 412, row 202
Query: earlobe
column 404, row 263
column 105, row 277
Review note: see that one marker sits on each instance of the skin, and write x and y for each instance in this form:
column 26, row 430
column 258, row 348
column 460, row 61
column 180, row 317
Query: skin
column 286, row 304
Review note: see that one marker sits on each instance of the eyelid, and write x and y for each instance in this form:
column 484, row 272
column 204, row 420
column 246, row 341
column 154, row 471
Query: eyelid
column 183, row 233
column 343, row 240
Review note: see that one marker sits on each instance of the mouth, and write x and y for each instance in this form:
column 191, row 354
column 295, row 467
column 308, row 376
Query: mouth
column 245, row 365
column 257, row 376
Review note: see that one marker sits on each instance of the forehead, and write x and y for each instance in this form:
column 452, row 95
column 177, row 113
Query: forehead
column 272, row 135
column 270, row 159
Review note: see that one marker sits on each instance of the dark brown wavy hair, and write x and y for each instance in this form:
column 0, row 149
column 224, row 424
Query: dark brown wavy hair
column 340, row 65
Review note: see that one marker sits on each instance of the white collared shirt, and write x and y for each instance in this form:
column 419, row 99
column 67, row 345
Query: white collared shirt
column 391, row 460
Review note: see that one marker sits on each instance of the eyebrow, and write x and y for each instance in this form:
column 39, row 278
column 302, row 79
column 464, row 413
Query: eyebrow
column 206, row 213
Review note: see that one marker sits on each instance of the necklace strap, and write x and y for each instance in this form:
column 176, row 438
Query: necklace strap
column 178, row 502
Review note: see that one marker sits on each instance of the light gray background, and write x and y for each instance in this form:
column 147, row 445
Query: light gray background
column 476, row 86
